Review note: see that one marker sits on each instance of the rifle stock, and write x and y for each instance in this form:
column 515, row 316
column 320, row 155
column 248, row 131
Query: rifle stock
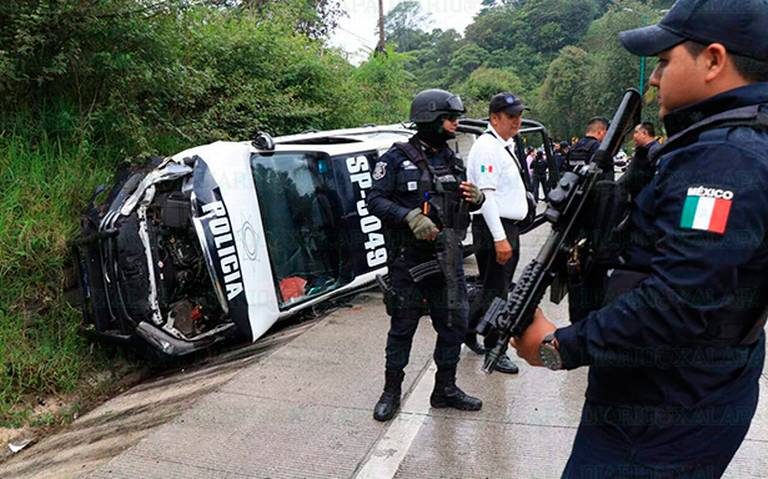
column 513, row 316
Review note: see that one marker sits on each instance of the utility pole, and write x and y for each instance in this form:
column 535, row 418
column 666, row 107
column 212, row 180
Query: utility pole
column 380, row 45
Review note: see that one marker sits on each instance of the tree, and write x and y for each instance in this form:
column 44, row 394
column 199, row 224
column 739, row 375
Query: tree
column 466, row 59
column 499, row 3
column 430, row 65
column 549, row 25
column 614, row 68
column 564, row 94
column 546, row 26
column 386, row 87
column 482, row 84
column 404, row 26
column 494, row 28
column 529, row 65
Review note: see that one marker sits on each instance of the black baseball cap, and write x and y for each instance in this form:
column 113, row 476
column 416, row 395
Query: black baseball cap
column 506, row 102
column 740, row 25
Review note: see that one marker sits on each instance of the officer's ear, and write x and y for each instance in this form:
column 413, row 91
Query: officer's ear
column 714, row 57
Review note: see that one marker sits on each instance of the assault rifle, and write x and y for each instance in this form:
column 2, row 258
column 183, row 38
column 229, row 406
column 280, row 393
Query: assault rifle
column 449, row 256
column 568, row 246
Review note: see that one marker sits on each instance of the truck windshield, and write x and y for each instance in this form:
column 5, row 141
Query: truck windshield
column 299, row 223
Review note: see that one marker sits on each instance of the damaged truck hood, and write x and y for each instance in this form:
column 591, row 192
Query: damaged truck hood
column 227, row 220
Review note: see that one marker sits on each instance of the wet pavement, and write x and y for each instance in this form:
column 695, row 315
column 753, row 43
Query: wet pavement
column 122, row 422
column 302, row 408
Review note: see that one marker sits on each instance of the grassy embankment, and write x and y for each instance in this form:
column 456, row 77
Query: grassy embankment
column 46, row 181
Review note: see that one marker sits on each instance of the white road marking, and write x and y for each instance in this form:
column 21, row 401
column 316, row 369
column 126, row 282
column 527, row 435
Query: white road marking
column 390, row 451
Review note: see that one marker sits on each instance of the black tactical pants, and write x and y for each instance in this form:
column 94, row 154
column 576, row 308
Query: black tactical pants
column 496, row 278
column 414, row 300
column 540, row 180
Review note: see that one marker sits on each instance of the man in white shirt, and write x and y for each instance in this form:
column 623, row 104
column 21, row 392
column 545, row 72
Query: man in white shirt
column 493, row 166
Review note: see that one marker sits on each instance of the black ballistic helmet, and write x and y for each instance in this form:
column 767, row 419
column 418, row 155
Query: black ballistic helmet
column 429, row 105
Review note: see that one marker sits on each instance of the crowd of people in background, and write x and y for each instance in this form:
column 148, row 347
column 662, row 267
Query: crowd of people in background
column 569, row 155
column 671, row 325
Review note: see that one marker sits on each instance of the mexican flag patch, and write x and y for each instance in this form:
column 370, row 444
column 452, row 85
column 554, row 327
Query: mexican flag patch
column 706, row 209
column 486, row 168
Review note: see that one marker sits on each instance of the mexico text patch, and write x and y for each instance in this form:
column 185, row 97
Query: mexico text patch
column 706, row 209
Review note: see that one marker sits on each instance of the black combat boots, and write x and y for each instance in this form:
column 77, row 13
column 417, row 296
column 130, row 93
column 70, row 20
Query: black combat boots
column 447, row 394
column 389, row 402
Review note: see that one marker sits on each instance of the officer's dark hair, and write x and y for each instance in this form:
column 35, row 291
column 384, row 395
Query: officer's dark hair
column 592, row 124
column 752, row 70
column 648, row 128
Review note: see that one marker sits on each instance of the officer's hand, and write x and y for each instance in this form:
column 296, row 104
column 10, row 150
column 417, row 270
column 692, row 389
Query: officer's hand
column 423, row 228
column 503, row 251
column 472, row 193
column 528, row 344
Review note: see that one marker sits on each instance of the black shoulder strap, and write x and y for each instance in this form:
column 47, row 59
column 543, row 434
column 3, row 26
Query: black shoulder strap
column 412, row 151
column 415, row 154
column 518, row 163
column 752, row 116
column 417, row 157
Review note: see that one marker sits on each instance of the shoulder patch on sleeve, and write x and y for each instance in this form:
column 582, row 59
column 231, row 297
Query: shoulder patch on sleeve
column 706, row 209
column 380, row 170
column 408, row 165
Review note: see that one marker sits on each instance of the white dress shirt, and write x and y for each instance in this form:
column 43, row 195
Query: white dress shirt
column 491, row 165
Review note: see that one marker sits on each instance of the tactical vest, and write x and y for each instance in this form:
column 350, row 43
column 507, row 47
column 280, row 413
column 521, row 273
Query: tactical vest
column 579, row 156
column 439, row 186
column 753, row 116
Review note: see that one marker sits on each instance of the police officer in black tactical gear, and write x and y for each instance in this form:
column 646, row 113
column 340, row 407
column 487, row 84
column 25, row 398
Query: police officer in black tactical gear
column 540, row 167
column 675, row 355
column 561, row 150
column 419, row 190
column 646, row 144
column 581, row 153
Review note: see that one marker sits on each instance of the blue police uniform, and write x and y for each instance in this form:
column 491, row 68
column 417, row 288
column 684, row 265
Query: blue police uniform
column 582, row 152
column 653, row 148
column 559, row 161
column 395, row 192
column 675, row 358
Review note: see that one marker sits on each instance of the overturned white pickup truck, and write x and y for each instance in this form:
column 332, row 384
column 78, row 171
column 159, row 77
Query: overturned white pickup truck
column 225, row 239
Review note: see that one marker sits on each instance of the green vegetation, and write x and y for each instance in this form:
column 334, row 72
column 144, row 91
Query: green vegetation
column 562, row 56
column 93, row 83
column 88, row 84
column 45, row 183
